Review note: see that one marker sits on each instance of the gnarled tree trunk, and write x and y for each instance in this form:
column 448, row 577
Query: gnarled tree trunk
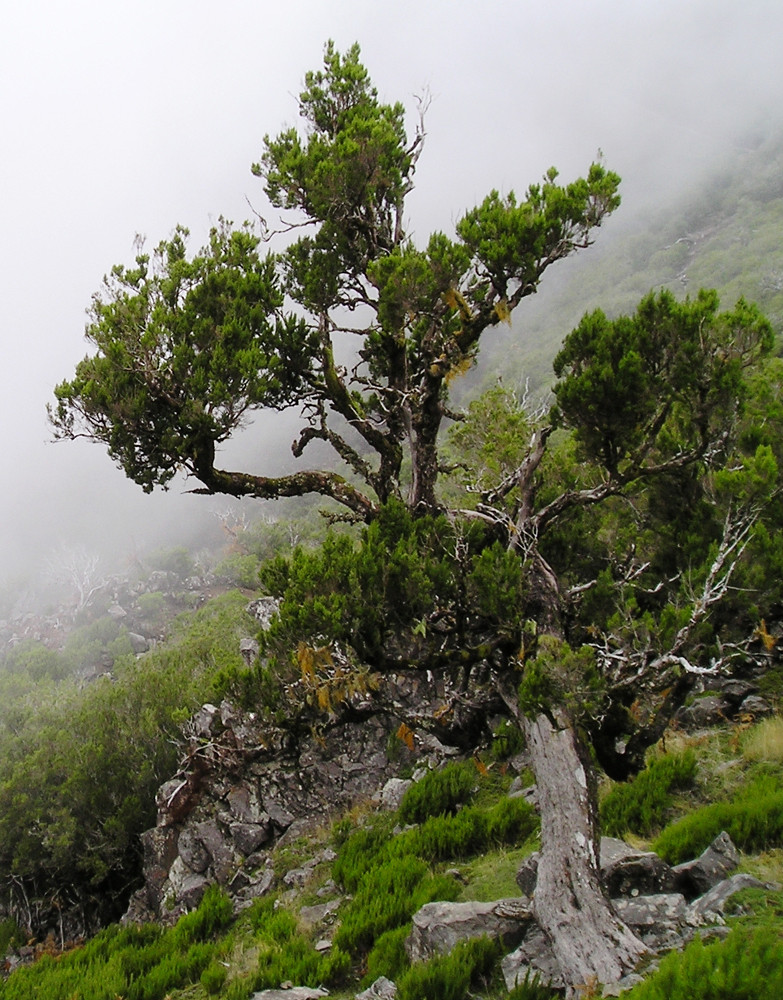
column 590, row 942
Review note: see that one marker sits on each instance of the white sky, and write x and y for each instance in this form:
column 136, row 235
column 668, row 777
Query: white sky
column 121, row 118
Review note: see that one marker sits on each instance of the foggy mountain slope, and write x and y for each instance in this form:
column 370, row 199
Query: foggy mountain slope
column 725, row 232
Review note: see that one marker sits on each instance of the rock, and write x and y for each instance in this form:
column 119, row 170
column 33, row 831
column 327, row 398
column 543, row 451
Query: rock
column 627, row 872
column 657, row 920
column 245, row 805
column 248, row 649
column 186, row 888
column 709, row 907
column 438, row 926
column 192, row 851
column 279, row 815
column 534, row 957
column 203, row 721
column 263, row 610
column 694, row 878
column 755, row 707
column 381, row 989
column 292, row 993
column 139, row 644
column 311, row 916
column 393, row 792
column 527, row 875
column 248, row 837
column 734, row 690
column 704, row 712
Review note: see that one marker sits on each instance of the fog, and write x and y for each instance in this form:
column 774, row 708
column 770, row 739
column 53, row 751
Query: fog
column 126, row 118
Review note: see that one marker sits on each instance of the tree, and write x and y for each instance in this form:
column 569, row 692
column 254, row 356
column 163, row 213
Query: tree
column 188, row 348
column 565, row 550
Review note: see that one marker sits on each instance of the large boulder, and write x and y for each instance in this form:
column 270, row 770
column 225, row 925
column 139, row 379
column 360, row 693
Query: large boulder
column 628, row 872
column 694, row 878
column 437, row 927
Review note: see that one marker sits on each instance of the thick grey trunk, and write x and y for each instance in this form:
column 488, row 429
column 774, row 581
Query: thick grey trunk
column 590, row 942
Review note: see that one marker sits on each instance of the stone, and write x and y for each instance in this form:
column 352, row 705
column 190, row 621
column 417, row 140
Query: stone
column 694, row 878
column 291, row 993
column 204, row 720
column 381, row 989
column 279, row 815
column 657, row 920
column 244, row 804
column 248, row 837
column 186, row 888
column 527, row 875
column 704, row 712
column 628, row 872
column 709, row 907
column 393, row 792
column 248, row 649
column 755, row 707
column 192, row 851
column 533, row 958
column 139, row 643
column 263, row 610
column 311, row 916
column 224, row 860
column 438, row 926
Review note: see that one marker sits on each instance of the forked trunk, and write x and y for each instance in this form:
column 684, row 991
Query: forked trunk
column 591, row 944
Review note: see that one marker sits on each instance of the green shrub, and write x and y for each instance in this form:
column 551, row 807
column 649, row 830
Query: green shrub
column 213, row 978
column 753, row 820
column 284, row 953
column 640, row 805
column 449, row 977
column 439, row 792
column 388, row 956
column 361, row 851
column 387, row 897
column 748, row 965
column 531, row 988
column 213, row 914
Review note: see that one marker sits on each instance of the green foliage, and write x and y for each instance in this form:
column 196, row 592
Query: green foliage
column 753, row 820
column 403, row 573
column 284, row 953
column 748, row 965
column 187, row 347
column 388, row 876
column 449, row 977
column 387, row 897
column 388, row 956
column 213, row 331
column 674, row 368
column 531, row 988
column 137, row 963
column 640, row 805
column 560, row 676
column 80, row 774
column 439, row 792
column 176, row 560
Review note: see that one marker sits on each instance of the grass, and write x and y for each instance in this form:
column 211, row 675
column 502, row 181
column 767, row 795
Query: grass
column 764, row 742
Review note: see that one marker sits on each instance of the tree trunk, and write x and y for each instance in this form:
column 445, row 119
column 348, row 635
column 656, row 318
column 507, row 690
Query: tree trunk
column 591, row 944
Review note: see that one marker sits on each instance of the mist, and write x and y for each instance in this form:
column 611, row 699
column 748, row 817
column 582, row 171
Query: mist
column 125, row 119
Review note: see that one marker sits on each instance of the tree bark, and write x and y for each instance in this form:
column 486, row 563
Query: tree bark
column 591, row 944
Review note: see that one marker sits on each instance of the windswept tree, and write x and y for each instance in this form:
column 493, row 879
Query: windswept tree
column 593, row 594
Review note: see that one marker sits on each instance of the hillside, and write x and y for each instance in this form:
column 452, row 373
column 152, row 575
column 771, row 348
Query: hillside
column 723, row 233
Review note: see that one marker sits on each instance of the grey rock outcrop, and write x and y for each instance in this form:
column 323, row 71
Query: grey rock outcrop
column 437, row 927
column 381, row 989
column 247, row 784
column 694, row 878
